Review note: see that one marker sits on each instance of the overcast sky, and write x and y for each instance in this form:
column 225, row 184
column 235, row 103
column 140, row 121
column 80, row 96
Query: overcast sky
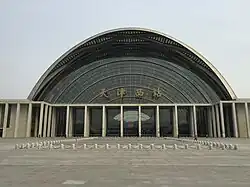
column 33, row 34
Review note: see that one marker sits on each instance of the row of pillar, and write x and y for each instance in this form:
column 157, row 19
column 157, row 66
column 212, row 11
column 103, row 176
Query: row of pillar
column 45, row 125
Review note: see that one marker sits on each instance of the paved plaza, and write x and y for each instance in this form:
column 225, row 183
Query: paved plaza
column 124, row 167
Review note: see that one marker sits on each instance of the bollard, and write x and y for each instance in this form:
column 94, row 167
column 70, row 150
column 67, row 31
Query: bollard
column 16, row 146
column 210, row 146
column 50, row 146
column 198, row 147
column 231, row 147
column 223, row 146
column 236, row 147
column 96, row 146
column 186, row 146
column 39, row 146
column 227, row 146
column 129, row 146
column 118, row 146
column 140, row 146
column 152, row 146
column 73, row 146
column 85, row 146
column 107, row 146
column 163, row 146
column 174, row 146
column 62, row 146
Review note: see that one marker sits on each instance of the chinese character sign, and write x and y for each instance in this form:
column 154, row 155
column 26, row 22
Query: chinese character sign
column 139, row 93
column 156, row 93
column 104, row 93
column 121, row 92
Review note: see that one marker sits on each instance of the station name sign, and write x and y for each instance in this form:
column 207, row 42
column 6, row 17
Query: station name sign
column 139, row 93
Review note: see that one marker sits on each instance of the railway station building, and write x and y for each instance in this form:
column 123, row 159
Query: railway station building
column 128, row 82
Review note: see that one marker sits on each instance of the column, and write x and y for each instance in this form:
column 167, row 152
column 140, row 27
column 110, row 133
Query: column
column 41, row 120
column 45, row 120
column 247, row 119
column 235, row 125
column 157, row 121
column 49, row 122
column 36, row 122
column 139, row 120
column 222, row 120
column 175, row 122
column 17, row 120
column 70, row 121
column 67, row 122
column 53, row 122
column 5, row 119
column 29, row 120
column 121, row 122
column 104, row 121
column 191, row 125
column 86, row 122
column 228, row 133
column 217, row 120
column 214, row 122
column 195, row 121
column 210, row 127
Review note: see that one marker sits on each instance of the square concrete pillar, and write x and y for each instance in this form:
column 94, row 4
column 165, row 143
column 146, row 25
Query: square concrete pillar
column 41, row 120
column 104, row 121
column 139, row 121
column 29, row 120
column 157, row 121
column 121, row 122
column 175, row 122
column 247, row 119
column 222, row 121
column 5, row 119
column 17, row 120
column 49, row 122
column 45, row 121
column 86, row 121
column 217, row 120
column 235, row 124
column 195, row 121
column 67, row 121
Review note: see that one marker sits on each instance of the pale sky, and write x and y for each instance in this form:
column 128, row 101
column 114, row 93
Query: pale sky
column 33, row 34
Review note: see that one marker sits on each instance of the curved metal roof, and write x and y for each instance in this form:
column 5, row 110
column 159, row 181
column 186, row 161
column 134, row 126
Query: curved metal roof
column 180, row 70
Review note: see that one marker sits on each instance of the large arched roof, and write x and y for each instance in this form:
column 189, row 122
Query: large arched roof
column 190, row 76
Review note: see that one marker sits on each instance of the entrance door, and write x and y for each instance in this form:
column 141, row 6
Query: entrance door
column 95, row 121
column 130, row 121
column 148, row 121
column 113, row 121
column 166, row 121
